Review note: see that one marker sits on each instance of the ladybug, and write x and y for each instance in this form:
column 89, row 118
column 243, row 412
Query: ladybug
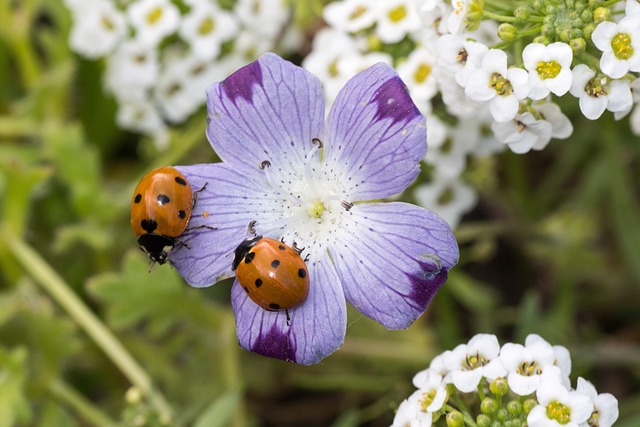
column 272, row 274
column 160, row 211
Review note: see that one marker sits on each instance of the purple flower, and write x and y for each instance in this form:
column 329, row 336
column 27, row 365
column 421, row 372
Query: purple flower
column 319, row 189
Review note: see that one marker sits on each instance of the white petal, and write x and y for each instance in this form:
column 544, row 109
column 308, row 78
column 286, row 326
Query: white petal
column 603, row 34
column 466, row 381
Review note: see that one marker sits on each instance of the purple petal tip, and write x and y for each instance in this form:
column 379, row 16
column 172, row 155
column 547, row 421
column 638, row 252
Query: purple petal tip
column 240, row 84
column 394, row 102
column 275, row 344
column 426, row 282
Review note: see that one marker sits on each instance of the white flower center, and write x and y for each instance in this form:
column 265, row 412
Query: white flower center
column 309, row 203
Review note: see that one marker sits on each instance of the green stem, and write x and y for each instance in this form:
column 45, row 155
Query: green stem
column 67, row 395
column 530, row 31
column 498, row 17
column 231, row 365
column 590, row 60
column 38, row 268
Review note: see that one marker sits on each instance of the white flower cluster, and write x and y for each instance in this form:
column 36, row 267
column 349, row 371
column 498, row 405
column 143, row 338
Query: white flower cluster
column 161, row 55
column 515, row 385
column 480, row 90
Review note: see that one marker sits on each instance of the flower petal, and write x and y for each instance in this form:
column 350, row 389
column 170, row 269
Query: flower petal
column 231, row 200
column 392, row 259
column 315, row 329
column 267, row 110
column 376, row 134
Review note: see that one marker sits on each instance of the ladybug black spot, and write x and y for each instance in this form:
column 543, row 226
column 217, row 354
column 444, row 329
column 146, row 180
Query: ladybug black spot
column 281, row 247
column 275, row 263
column 180, row 181
column 274, row 306
column 302, row 273
column 148, row 225
column 182, row 214
column 249, row 257
column 258, row 283
column 138, row 198
column 162, row 199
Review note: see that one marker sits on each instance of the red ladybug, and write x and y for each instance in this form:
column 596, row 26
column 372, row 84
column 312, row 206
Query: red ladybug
column 160, row 211
column 272, row 274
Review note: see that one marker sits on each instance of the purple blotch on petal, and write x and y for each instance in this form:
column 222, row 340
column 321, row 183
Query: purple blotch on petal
column 240, row 84
column 275, row 344
column 393, row 101
column 426, row 282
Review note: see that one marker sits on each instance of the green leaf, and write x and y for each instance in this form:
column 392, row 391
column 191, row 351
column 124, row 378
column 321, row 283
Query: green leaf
column 220, row 412
column 159, row 297
column 14, row 404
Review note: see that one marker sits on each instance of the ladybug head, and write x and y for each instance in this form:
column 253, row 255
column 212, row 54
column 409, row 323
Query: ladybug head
column 243, row 249
column 156, row 246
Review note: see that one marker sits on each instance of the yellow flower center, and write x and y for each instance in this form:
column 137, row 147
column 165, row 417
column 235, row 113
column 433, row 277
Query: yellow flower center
column 501, row 85
column 154, row 15
column 427, row 399
column 548, row 70
column 559, row 412
column 421, row 74
column 473, row 361
column 595, row 87
column 621, row 45
column 206, row 26
column 317, row 209
column 529, row 369
column 107, row 23
column 360, row 10
column 462, row 56
column 446, row 196
column 398, row 14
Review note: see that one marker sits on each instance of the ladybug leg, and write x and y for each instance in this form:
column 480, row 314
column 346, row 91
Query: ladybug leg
column 201, row 226
column 252, row 227
column 195, row 195
column 296, row 248
column 288, row 317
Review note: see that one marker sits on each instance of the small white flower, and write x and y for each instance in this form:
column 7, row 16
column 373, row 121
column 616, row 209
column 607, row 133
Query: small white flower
column 634, row 120
column 620, row 46
column 417, row 74
column 433, row 14
column 455, row 20
column 410, row 415
column 470, row 362
column 153, row 20
column 351, row 16
column 396, row 19
column 182, row 85
column 132, row 70
column 206, row 27
column 524, row 133
column 97, row 28
column 502, row 87
column 323, row 62
column 559, row 407
column 549, row 68
column 632, row 7
column 266, row 18
column 528, row 364
column 448, row 154
column 605, row 406
column 599, row 93
column 448, row 197
column 433, row 389
column 460, row 55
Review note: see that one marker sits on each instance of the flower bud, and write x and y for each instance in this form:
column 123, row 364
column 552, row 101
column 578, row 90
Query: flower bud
column 502, row 414
column 499, row 386
column 516, row 422
column 507, row 32
column 483, row 420
column 521, row 14
column 548, row 30
column 565, row 35
column 496, row 424
column 601, row 14
column 588, row 30
column 578, row 45
column 595, row 3
column 538, row 4
column 488, row 405
column 514, row 407
column 586, row 16
column 576, row 33
column 528, row 405
column 542, row 39
column 455, row 419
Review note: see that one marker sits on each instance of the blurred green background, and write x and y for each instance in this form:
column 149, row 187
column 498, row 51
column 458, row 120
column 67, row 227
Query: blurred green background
column 88, row 336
